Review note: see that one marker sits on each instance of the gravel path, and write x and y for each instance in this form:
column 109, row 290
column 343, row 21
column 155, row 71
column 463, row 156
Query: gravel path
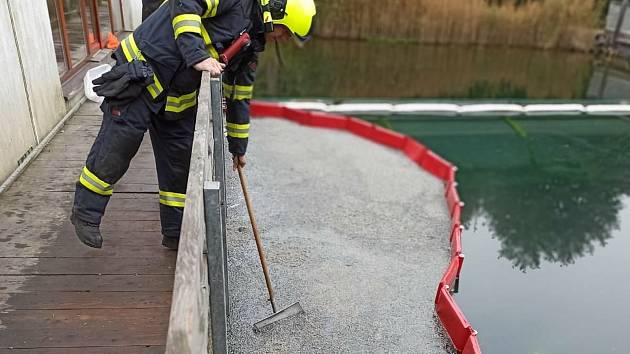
column 353, row 231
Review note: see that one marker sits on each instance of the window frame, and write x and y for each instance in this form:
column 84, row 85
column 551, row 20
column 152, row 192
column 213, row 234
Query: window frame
column 73, row 67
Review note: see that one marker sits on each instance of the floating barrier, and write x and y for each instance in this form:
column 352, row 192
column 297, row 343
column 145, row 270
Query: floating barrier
column 361, row 128
column 608, row 109
column 449, row 109
column 426, row 108
column 456, row 243
column 452, row 318
column 361, row 108
column 460, row 332
column 555, row 109
column 452, row 198
column 414, row 150
column 491, row 109
column 472, row 346
column 307, row 105
column 325, row 120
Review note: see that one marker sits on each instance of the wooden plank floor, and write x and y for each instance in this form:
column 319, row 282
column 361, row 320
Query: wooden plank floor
column 59, row 296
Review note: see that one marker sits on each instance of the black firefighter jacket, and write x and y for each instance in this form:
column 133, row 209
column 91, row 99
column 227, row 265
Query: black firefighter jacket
column 182, row 33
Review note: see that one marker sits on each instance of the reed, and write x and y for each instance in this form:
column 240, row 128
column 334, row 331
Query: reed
column 564, row 24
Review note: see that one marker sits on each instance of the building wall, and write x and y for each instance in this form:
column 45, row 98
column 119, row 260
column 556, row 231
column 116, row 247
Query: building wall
column 35, row 43
column 31, row 100
column 16, row 135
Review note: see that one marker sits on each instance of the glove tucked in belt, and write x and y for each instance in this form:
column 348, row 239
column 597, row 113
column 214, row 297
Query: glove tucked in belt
column 124, row 81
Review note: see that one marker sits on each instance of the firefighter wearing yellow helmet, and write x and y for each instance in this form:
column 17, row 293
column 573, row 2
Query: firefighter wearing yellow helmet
column 154, row 86
column 295, row 15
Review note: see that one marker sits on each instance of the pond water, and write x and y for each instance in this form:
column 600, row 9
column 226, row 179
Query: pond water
column 378, row 70
column 547, row 220
column 547, row 212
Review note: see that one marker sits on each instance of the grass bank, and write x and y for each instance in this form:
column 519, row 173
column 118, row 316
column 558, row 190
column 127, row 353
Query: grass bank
column 547, row 24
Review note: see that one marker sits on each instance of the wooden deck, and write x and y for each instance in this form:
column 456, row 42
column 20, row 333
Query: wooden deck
column 59, row 296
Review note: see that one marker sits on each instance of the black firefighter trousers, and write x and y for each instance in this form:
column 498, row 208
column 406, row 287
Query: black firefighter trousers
column 117, row 143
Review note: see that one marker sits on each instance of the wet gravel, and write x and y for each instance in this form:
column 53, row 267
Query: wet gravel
column 353, row 231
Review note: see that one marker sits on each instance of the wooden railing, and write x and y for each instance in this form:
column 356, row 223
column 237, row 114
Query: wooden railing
column 199, row 301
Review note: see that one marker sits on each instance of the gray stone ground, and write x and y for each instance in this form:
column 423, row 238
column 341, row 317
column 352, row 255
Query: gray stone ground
column 353, row 231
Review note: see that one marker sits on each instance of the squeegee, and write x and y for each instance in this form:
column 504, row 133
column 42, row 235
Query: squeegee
column 287, row 312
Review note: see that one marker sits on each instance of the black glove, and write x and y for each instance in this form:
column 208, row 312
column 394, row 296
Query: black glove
column 124, row 81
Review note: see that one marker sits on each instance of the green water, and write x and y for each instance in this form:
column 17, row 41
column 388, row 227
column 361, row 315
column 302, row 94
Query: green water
column 547, row 220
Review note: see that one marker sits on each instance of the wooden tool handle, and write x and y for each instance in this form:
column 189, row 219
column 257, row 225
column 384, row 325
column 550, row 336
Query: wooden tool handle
column 259, row 245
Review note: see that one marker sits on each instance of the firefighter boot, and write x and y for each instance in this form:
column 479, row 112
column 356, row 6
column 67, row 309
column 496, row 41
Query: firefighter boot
column 87, row 232
column 170, row 242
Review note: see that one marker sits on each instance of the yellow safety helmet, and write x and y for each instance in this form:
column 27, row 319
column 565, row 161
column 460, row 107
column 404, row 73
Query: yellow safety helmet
column 296, row 15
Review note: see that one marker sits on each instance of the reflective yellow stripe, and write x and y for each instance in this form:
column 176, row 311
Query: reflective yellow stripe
column 155, row 89
column 186, row 17
column 206, row 37
column 93, row 188
column 238, row 92
column 188, row 28
column 181, row 103
column 242, row 96
column 130, row 49
column 213, row 52
column 238, row 135
column 187, row 23
column 208, row 41
column 172, row 203
column 125, row 48
column 136, row 51
column 237, row 126
column 248, row 88
column 95, row 184
column 212, row 6
column 172, row 199
column 96, row 179
column 238, row 130
column 172, row 194
column 227, row 90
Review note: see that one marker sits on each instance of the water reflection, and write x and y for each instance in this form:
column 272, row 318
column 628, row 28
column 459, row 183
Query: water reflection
column 541, row 194
column 550, row 193
column 338, row 69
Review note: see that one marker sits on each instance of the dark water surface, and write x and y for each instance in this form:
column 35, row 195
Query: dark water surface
column 358, row 69
column 547, row 220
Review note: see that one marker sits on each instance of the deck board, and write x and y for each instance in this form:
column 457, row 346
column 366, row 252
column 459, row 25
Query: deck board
column 59, row 296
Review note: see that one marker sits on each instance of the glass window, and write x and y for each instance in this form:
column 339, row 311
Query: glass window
column 75, row 29
column 91, row 25
column 80, row 28
column 104, row 20
column 57, row 34
column 117, row 17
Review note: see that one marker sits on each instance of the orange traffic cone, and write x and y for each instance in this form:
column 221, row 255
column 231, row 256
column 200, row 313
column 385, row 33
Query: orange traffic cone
column 112, row 41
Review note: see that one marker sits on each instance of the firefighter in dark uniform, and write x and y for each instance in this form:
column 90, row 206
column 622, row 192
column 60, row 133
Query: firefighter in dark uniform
column 154, row 86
